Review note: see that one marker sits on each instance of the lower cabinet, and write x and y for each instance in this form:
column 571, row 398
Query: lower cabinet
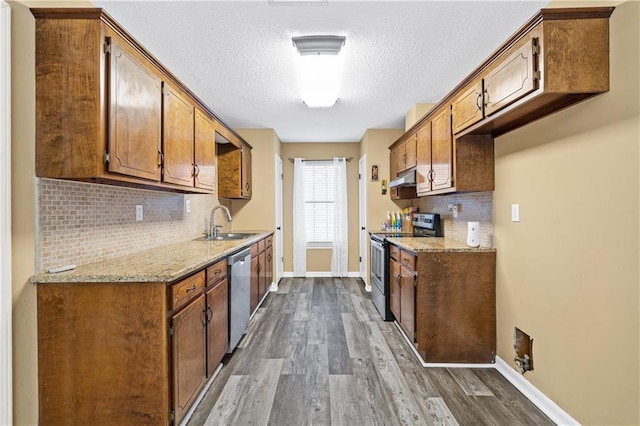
column 261, row 270
column 129, row 352
column 189, row 355
column 403, row 291
column 445, row 303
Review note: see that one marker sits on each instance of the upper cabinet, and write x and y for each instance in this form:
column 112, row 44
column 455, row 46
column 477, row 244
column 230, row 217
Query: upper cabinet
column 107, row 111
column 558, row 58
column 405, row 153
column 234, row 166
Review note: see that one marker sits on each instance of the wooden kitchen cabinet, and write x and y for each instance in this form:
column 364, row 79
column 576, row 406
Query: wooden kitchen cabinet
column 441, row 150
column 134, row 352
column 468, row 107
column 134, row 138
column 405, row 154
column 101, row 115
column 189, row 355
column 217, row 324
column 261, row 270
column 445, row 303
column 205, row 151
column 402, row 290
column 234, row 170
column 178, row 138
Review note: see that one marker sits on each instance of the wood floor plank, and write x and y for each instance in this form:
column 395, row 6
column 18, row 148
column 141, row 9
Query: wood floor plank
column 510, row 397
column 469, row 382
column 303, row 307
column 373, row 404
column 356, row 337
column 394, row 386
column 296, row 358
column 339, row 359
column 440, row 413
column 230, row 401
column 345, row 405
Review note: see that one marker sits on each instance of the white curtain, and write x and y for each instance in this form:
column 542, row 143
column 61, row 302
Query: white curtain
column 299, row 238
column 340, row 255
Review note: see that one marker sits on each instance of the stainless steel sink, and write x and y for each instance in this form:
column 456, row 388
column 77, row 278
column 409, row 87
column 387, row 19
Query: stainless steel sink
column 229, row 236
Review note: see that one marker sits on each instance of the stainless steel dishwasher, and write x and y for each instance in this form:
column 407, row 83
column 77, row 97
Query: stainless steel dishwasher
column 239, row 297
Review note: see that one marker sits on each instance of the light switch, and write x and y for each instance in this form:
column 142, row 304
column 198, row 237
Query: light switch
column 515, row 212
column 139, row 212
column 188, row 206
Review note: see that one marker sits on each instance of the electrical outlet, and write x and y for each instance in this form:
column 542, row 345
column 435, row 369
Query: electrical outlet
column 187, row 206
column 139, row 212
column 453, row 208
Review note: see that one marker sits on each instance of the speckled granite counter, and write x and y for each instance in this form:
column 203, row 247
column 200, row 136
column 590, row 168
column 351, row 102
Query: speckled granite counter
column 162, row 264
column 435, row 244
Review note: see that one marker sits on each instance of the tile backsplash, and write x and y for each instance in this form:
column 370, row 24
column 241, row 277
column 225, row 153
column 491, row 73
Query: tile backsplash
column 475, row 206
column 79, row 223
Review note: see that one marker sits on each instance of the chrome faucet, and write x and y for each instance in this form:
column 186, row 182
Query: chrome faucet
column 213, row 228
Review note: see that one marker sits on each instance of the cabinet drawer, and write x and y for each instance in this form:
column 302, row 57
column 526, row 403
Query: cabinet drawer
column 268, row 241
column 186, row 289
column 408, row 260
column 261, row 245
column 216, row 272
column 254, row 250
column 394, row 253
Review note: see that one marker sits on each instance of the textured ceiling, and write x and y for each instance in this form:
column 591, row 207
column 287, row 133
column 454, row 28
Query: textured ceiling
column 237, row 56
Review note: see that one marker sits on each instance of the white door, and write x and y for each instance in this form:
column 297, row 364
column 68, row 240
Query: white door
column 279, row 259
column 364, row 236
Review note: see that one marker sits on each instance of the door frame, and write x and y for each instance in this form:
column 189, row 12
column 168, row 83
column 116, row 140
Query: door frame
column 6, row 368
column 363, row 238
column 279, row 259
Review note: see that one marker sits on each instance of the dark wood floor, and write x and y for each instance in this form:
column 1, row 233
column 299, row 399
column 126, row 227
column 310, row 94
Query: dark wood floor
column 318, row 353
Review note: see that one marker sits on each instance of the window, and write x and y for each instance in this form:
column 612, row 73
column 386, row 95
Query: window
column 319, row 196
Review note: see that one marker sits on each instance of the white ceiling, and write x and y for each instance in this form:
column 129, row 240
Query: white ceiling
column 237, row 56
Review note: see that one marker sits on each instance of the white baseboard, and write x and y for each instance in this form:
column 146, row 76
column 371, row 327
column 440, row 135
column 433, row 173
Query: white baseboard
column 533, row 394
column 321, row 274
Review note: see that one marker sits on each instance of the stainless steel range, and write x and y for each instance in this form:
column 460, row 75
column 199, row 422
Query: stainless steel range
column 424, row 225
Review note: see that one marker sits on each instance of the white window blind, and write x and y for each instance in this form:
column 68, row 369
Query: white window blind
column 319, row 196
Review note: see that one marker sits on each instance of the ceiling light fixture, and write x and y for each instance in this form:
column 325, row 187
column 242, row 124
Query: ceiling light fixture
column 319, row 67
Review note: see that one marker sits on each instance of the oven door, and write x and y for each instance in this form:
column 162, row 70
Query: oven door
column 377, row 261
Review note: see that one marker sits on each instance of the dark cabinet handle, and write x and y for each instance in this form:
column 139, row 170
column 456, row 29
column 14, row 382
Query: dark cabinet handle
column 160, row 159
column 478, row 101
column 269, row 257
column 192, row 288
column 209, row 314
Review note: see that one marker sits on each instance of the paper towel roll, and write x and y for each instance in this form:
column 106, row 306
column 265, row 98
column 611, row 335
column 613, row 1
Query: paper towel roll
column 473, row 234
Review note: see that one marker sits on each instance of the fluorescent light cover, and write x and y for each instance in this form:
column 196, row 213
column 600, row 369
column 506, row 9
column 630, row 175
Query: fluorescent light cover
column 319, row 68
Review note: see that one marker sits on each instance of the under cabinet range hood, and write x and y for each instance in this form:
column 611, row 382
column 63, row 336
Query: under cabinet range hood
column 405, row 179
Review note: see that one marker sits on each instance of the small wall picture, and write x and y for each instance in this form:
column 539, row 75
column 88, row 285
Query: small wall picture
column 374, row 173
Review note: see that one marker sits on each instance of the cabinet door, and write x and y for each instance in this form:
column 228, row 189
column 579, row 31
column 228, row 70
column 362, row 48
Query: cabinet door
column 467, row 107
column 246, row 171
column 189, row 359
column 217, row 325
column 135, row 113
column 401, row 164
column 423, row 159
column 205, row 151
column 394, row 288
column 407, row 302
column 178, row 138
column 441, row 150
column 512, row 79
column 262, row 274
column 410, row 152
column 393, row 163
column 255, row 284
column 269, row 267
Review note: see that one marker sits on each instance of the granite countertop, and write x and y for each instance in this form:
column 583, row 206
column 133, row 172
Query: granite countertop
column 162, row 264
column 435, row 244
